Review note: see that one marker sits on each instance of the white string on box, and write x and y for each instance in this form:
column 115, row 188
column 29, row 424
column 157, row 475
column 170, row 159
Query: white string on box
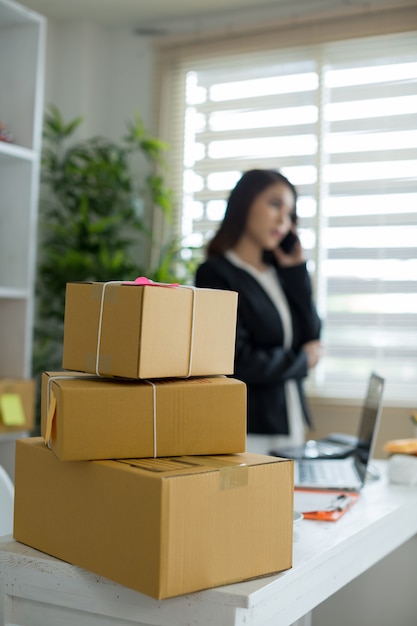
column 100, row 323
column 119, row 282
column 89, row 376
column 51, row 379
column 190, row 360
column 149, row 382
column 100, row 319
column 193, row 289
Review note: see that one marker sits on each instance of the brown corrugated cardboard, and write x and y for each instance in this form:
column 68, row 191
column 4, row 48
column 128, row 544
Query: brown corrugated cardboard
column 17, row 405
column 149, row 331
column 164, row 527
column 98, row 418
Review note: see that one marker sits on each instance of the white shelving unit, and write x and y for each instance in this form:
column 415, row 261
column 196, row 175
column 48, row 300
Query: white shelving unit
column 22, row 62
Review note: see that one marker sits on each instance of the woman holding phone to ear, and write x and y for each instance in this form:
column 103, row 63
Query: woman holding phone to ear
column 278, row 327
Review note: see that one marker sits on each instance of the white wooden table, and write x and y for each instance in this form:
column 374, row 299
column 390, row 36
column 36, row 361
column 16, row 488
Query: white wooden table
column 38, row 590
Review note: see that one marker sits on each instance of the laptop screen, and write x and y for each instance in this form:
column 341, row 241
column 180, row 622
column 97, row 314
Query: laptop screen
column 371, row 410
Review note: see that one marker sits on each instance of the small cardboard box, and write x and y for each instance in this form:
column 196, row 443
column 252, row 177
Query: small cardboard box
column 88, row 417
column 17, row 405
column 137, row 331
column 164, row 527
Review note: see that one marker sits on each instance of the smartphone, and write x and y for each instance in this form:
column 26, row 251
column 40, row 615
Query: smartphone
column 288, row 243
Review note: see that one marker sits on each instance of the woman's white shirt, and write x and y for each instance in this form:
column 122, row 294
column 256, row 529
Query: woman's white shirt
column 269, row 282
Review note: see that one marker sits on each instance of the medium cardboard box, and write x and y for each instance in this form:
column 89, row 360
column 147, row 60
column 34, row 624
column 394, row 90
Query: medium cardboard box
column 149, row 331
column 17, row 405
column 164, row 527
column 88, row 417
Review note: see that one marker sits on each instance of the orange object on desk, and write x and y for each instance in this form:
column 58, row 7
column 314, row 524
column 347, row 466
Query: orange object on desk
column 401, row 446
column 324, row 505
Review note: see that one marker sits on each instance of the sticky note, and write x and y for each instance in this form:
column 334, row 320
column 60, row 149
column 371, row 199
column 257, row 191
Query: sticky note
column 11, row 410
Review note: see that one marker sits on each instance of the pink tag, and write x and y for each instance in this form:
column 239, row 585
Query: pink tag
column 142, row 281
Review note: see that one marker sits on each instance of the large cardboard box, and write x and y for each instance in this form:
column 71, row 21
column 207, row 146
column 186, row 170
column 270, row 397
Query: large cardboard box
column 164, row 527
column 88, row 417
column 17, row 405
column 149, row 331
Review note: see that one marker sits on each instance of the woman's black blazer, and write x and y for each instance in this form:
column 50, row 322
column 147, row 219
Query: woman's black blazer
column 260, row 359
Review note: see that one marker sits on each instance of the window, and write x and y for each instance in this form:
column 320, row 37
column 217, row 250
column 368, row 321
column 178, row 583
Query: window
column 340, row 121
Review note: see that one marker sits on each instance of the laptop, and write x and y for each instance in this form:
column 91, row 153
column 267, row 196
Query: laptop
column 347, row 473
column 332, row 446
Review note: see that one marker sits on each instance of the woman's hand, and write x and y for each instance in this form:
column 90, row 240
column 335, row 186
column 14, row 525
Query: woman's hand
column 292, row 258
column 313, row 351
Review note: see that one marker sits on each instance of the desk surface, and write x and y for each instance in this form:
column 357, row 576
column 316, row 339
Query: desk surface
column 327, row 555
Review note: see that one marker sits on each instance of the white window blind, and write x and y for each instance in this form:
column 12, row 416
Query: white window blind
column 340, row 121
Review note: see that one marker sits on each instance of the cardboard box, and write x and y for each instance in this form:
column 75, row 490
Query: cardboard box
column 17, row 405
column 96, row 418
column 164, row 527
column 149, row 331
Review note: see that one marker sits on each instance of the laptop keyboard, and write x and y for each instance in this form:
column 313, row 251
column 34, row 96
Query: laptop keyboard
column 327, row 471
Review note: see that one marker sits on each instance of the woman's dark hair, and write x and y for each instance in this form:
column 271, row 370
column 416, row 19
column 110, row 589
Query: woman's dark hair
column 251, row 184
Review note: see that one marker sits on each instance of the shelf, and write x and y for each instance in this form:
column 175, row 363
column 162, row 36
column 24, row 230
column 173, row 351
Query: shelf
column 22, row 37
column 22, row 69
column 13, row 293
column 15, row 151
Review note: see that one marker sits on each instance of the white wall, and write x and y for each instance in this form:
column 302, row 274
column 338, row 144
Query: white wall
column 103, row 74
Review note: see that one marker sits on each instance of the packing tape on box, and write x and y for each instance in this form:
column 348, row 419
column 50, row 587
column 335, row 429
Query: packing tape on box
column 142, row 281
column 51, row 403
column 231, row 474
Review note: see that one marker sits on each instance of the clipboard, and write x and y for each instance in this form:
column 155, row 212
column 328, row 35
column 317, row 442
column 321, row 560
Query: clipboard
column 327, row 506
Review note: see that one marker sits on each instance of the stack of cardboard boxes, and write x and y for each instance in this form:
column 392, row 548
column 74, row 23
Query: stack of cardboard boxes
column 140, row 474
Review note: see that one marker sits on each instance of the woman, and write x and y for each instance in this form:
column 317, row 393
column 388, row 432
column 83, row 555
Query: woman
column 278, row 327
